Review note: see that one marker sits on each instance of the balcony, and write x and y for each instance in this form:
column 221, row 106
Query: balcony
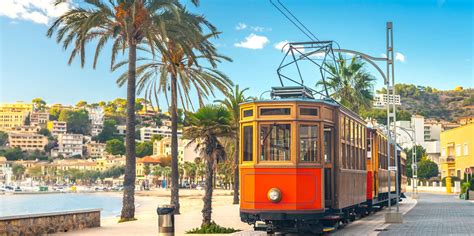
column 448, row 159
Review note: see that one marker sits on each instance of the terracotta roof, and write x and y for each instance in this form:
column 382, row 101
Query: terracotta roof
column 148, row 159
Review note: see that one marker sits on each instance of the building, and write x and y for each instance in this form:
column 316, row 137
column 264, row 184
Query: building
column 186, row 153
column 432, row 130
column 95, row 149
column 146, row 133
column 457, row 151
column 380, row 100
column 96, row 117
column 57, row 127
column 146, row 161
column 25, row 129
column 6, row 172
column 74, row 164
column 69, row 145
column 39, row 118
column 14, row 114
column 466, row 120
column 121, row 130
column 27, row 141
column 109, row 161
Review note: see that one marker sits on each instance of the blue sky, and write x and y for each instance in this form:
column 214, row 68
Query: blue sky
column 434, row 39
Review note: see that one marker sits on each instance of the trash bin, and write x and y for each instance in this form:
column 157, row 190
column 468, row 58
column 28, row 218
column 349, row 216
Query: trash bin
column 165, row 220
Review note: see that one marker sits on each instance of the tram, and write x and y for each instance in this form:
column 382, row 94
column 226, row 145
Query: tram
column 308, row 165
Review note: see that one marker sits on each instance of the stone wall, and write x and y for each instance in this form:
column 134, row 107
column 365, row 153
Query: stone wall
column 48, row 223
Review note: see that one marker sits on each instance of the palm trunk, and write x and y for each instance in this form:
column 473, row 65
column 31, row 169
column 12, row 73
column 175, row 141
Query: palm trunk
column 236, row 168
column 174, row 145
column 207, row 199
column 128, row 207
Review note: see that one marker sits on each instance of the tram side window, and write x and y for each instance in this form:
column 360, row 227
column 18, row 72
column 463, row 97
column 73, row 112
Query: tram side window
column 327, row 145
column 248, row 143
column 309, row 143
column 275, row 142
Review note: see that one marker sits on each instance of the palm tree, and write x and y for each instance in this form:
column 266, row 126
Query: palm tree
column 231, row 102
column 350, row 84
column 180, row 71
column 206, row 126
column 130, row 24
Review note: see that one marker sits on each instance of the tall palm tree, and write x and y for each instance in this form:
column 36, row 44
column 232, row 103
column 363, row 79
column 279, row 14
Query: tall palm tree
column 206, row 126
column 130, row 24
column 231, row 102
column 180, row 70
column 350, row 84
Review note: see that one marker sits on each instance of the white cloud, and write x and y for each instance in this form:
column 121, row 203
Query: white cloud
column 399, row 57
column 240, row 26
column 37, row 11
column 253, row 41
column 283, row 46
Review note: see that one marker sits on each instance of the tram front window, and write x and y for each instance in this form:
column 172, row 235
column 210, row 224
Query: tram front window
column 275, row 142
column 308, row 143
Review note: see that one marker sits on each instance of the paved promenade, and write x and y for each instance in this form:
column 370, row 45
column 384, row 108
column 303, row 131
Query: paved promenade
column 436, row 214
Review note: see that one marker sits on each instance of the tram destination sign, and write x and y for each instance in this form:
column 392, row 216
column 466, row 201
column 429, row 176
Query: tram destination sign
column 394, row 168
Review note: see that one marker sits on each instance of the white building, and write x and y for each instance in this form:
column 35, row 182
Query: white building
column 39, row 118
column 96, row 117
column 57, row 127
column 186, row 153
column 380, row 100
column 95, row 149
column 68, row 145
column 146, row 133
column 121, row 129
column 6, row 172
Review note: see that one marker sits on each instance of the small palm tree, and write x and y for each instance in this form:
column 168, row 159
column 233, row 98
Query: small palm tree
column 130, row 24
column 231, row 102
column 206, row 126
column 179, row 71
column 350, row 84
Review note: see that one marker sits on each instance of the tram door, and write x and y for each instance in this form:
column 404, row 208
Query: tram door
column 328, row 165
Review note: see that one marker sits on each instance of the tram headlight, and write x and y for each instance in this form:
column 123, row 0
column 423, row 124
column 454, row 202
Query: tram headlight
column 274, row 195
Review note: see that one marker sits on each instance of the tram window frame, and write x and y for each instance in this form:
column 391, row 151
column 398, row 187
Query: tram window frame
column 308, row 109
column 245, row 113
column 317, row 158
column 327, row 144
column 262, row 149
column 286, row 111
column 246, row 142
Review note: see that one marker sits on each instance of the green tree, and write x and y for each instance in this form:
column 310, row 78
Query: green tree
column 231, row 102
column 77, row 121
column 156, row 137
column 420, row 153
column 427, row 169
column 130, row 24
column 3, row 138
column 54, row 113
column 39, row 104
column 115, row 147
column 45, row 132
column 81, row 104
column 144, row 149
column 207, row 125
column 146, row 170
column 182, row 69
column 108, row 132
column 350, row 84
column 18, row 171
column 13, row 154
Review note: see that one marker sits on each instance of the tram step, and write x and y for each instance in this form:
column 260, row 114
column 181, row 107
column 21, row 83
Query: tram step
column 328, row 229
column 376, row 207
column 364, row 206
column 332, row 217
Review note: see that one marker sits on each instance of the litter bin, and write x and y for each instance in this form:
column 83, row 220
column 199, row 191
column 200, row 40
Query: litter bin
column 165, row 220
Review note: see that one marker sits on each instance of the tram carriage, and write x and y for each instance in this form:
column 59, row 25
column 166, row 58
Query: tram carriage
column 306, row 164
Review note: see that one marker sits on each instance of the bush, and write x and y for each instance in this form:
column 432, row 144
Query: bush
column 465, row 186
column 212, row 228
column 471, row 186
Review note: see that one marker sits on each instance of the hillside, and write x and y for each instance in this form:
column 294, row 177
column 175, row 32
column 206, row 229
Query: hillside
column 436, row 104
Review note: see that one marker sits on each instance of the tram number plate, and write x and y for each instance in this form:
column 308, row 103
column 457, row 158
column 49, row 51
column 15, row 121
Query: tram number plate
column 394, row 168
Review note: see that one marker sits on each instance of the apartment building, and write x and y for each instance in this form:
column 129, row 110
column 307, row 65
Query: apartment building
column 96, row 117
column 27, row 141
column 186, row 153
column 69, row 145
column 39, row 118
column 457, row 151
column 95, row 149
column 146, row 133
column 30, row 129
column 57, row 127
column 14, row 114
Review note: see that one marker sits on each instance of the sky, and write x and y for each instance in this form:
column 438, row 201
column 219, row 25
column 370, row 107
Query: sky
column 433, row 41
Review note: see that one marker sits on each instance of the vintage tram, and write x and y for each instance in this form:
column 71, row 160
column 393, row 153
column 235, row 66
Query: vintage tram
column 308, row 164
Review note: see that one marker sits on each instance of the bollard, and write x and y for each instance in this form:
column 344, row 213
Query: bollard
column 448, row 185
column 165, row 220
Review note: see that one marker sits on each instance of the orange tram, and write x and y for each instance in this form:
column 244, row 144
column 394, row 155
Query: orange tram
column 309, row 165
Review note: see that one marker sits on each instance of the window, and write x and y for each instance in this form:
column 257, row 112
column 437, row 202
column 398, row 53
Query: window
column 274, row 111
column 308, row 111
column 443, row 152
column 308, row 143
column 327, row 145
column 458, row 150
column 341, row 124
column 248, row 143
column 248, row 113
column 466, row 149
column 275, row 142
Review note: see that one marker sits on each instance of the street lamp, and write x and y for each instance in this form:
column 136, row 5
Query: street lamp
column 414, row 165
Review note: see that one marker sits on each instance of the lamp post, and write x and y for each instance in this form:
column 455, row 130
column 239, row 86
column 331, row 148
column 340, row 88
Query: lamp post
column 414, row 165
